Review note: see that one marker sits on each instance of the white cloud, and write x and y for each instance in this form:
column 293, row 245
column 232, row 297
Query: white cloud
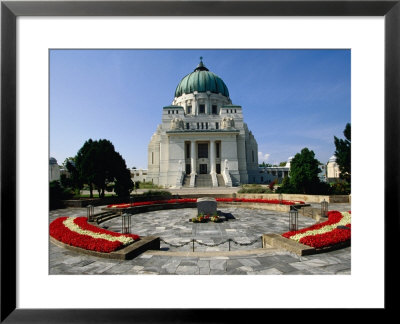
column 263, row 157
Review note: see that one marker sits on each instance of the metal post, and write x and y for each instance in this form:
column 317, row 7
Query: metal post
column 193, row 245
column 229, row 243
column 89, row 212
column 293, row 215
column 324, row 208
column 126, row 223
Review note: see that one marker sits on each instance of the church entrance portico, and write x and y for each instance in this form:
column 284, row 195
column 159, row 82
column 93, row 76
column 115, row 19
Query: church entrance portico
column 203, row 168
column 203, row 157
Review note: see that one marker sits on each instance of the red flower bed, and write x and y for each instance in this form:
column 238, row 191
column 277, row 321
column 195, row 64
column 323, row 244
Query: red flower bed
column 333, row 237
column 329, row 234
column 60, row 232
column 261, row 201
column 82, row 223
column 333, row 218
column 191, row 200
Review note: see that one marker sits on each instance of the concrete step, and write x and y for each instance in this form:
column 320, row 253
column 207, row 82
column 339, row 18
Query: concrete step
column 203, row 180
column 186, row 181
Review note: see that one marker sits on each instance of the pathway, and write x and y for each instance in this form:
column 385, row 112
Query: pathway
column 173, row 226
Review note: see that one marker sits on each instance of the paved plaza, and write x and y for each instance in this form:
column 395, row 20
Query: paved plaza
column 242, row 255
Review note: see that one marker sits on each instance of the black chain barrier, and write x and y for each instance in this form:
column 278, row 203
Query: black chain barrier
column 174, row 245
column 210, row 244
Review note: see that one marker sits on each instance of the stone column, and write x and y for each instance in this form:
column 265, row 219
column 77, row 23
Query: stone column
column 212, row 162
column 212, row 156
column 193, row 157
column 195, row 106
column 208, row 103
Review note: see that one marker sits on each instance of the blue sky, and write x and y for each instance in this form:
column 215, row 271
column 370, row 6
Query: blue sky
column 291, row 99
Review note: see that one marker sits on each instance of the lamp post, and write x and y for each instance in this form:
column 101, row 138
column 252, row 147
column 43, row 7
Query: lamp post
column 324, row 208
column 293, row 216
column 126, row 223
column 89, row 212
column 280, row 197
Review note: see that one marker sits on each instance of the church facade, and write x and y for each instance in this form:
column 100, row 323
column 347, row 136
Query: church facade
column 202, row 139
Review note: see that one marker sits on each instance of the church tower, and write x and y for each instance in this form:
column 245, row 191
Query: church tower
column 202, row 139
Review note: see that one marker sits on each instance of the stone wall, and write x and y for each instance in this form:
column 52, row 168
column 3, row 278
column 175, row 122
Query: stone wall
column 274, row 207
column 83, row 202
column 305, row 198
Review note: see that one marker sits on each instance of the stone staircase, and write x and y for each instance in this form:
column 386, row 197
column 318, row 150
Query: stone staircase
column 312, row 212
column 221, row 182
column 203, row 180
column 104, row 216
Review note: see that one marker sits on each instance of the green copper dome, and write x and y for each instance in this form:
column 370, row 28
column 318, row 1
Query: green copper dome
column 201, row 80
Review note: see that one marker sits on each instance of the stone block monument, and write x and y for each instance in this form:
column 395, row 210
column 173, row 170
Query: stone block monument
column 206, row 206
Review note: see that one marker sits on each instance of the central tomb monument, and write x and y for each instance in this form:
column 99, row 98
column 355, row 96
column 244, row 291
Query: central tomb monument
column 206, row 206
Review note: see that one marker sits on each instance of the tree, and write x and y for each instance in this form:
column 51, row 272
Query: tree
column 264, row 165
column 304, row 169
column 343, row 154
column 282, row 164
column 97, row 163
column 73, row 180
column 123, row 182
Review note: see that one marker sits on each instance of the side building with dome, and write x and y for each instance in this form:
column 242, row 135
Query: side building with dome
column 202, row 140
column 332, row 170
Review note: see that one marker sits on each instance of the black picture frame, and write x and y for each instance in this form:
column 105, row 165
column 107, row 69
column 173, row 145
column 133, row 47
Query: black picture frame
column 10, row 10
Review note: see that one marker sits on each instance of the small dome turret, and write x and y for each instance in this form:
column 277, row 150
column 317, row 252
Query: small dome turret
column 332, row 158
column 52, row 160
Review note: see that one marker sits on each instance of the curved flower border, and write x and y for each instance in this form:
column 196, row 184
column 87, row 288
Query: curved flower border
column 337, row 229
column 192, row 200
column 75, row 231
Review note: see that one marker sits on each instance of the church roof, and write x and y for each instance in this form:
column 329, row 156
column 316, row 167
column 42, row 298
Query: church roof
column 201, row 80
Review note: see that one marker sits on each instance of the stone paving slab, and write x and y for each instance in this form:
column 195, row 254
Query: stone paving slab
column 253, row 261
column 175, row 229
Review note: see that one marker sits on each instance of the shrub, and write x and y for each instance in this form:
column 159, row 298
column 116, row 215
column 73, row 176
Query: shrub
column 272, row 184
column 253, row 188
column 57, row 193
column 157, row 193
column 286, row 187
column 340, row 188
column 148, row 185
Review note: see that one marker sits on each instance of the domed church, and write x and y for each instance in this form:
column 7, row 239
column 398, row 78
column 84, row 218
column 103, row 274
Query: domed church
column 202, row 140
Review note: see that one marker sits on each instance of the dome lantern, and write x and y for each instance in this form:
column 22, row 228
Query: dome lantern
column 201, row 66
column 201, row 80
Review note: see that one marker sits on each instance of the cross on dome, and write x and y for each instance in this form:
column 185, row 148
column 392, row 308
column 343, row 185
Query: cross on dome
column 201, row 66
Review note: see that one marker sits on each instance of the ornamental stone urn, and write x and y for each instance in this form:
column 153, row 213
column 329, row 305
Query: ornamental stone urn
column 206, row 206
